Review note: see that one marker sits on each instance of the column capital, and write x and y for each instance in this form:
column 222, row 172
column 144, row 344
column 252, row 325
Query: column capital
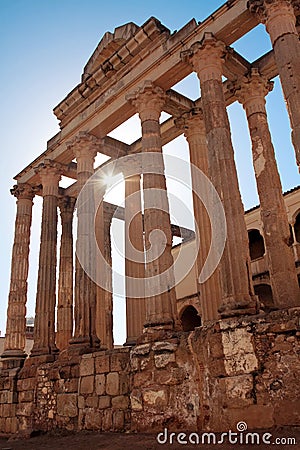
column 66, row 205
column 206, row 57
column 84, row 147
column 266, row 8
column 278, row 16
column 148, row 100
column 50, row 174
column 251, row 91
column 85, row 144
column 24, row 190
column 191, row 122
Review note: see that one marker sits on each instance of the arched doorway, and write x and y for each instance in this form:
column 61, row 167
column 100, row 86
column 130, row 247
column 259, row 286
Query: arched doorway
column 265, row 295
column 190, row 318
column 256, row 244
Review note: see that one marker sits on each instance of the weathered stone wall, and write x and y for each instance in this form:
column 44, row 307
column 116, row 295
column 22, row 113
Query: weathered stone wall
column 8, row 400
column 244, row 369
column 250, row 373
column 165, row 386
column 90, row 392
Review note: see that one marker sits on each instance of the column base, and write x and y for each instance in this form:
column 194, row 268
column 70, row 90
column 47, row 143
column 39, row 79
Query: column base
column 49, row 352
column 130, row 342
column 166, row 324
column 12, row 359
column 36, row 360
column 156, row 333
column 80, row 345
column 14, row 354
column 235, row 307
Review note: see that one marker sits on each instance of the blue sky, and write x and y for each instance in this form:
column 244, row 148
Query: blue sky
column 44, row 46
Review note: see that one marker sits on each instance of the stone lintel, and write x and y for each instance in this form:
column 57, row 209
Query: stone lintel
column 177, row 104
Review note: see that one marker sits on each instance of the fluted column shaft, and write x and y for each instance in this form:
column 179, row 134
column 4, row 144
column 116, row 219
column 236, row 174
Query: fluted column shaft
column 194, row 130
column 65, row 280
column 15, row 338
column 281, row 263
column 104, row 304
column 44, row 324
column 108, row 296
column 280, row 21
column 161, row 309
column 84, row 148
column 236, row 283
column 134, row 268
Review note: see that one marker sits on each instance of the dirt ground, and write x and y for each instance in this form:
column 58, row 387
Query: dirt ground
column 121, row 441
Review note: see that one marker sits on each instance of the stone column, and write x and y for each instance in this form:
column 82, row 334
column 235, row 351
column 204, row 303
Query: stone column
column 104, row 301
column 193, row 126
column 134, row 267
column 65, row 280
column 44, row 325
column 251, row 93
column 15, row 339
column 161, row 311
column 85, row 147
column 238, row 296
column 280, row 21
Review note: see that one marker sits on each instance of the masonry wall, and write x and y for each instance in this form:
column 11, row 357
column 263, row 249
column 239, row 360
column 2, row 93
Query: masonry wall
column 244, row 369
column 250, row 371
column 88, row 392
column 165, row 387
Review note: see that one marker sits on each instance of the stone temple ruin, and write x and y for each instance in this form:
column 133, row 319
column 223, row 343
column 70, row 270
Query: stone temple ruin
column 239, row 362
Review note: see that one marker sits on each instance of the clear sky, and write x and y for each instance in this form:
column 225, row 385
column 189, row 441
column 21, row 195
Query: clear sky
column 44, row 46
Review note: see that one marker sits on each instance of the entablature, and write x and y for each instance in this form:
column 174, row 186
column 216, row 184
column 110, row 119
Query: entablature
column 158, row 60
column 156, row 46
column 128, row 44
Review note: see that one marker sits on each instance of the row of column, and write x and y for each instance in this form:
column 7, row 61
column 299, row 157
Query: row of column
column 229, row 291
column 46, row 289
column 280, row 21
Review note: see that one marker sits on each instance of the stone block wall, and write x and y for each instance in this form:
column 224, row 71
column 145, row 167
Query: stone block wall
column 103, row 392
column 88, row 392
column 165, row 389
column 241, row 369
column 8, row 400
column 250, row 371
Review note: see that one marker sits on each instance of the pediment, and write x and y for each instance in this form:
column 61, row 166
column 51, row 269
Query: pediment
column 109, row 44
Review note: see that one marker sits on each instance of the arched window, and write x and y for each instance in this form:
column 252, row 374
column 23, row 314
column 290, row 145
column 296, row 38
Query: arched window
column 190, row 319
column 256, row 244
column 265, row 295
column 297, row 228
